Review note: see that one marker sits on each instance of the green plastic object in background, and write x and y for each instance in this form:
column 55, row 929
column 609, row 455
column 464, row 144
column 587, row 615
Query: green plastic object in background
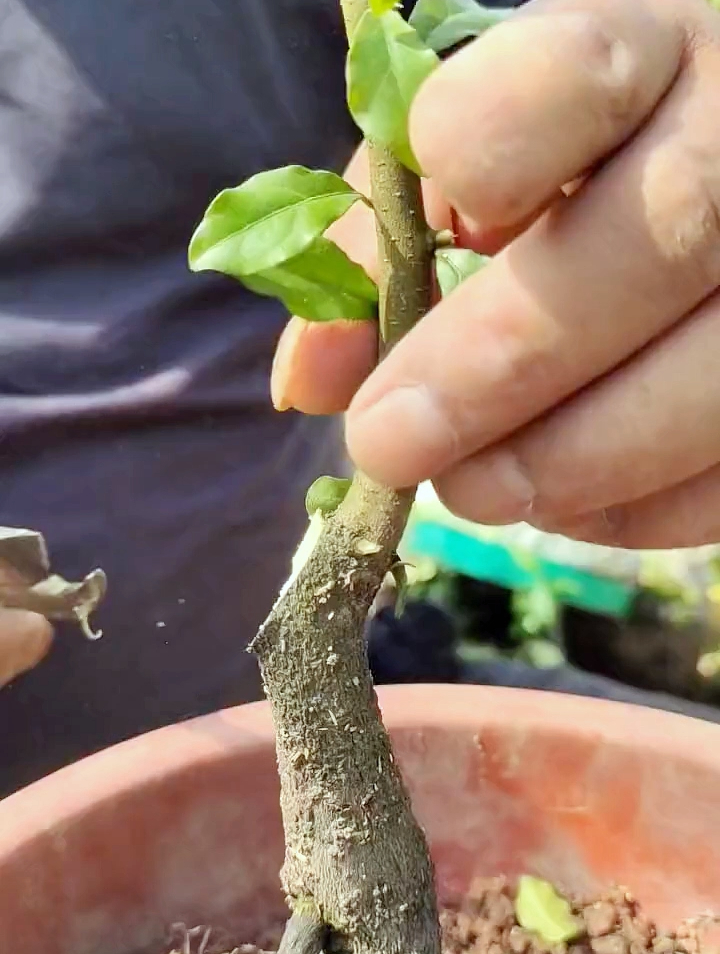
column 494, row 563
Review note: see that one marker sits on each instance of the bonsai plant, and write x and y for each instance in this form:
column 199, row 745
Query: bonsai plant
column 357, row 866
column 357, row 871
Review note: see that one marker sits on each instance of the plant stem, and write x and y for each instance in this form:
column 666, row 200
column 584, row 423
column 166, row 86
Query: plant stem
column 403, row 245
column 404, row 251
column 357, row 870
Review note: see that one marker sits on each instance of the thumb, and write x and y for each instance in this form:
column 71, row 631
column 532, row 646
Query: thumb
column 319, row 366
column 25, row 639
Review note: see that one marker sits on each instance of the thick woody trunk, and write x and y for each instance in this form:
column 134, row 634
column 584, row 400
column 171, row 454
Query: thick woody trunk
column 357, row 870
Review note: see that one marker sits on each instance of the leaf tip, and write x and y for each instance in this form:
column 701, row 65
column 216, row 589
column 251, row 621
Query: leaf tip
column 381, row 7
column 194, row 254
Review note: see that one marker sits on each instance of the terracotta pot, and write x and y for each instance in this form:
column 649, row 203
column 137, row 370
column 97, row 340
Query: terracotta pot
column 183, row 824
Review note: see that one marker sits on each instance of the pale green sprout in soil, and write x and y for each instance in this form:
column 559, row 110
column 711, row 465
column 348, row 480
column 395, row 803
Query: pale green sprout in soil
column 540, row 909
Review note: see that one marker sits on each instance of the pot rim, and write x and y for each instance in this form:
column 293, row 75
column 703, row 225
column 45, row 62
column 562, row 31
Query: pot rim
column 57, row 799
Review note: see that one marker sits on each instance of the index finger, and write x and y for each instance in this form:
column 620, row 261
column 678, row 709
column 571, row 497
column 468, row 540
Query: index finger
column 539, row 99
column 590, row 284
column 593, row 280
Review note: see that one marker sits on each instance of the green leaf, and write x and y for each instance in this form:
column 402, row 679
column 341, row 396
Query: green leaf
column 326, row 494
column 378, row 7
column 386, row 65
column 454, row 265
column 536, row 610
column 267, row 220
column 442, row 24
column 398, row 570
column 541, row 653
column 540, row 909
column 320, row 284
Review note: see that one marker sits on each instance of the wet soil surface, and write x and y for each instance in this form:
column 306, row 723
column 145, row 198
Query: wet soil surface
column 485, row 923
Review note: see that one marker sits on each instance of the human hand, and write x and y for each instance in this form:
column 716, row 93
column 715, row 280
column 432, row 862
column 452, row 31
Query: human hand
column 25, row 639
column 571, row 383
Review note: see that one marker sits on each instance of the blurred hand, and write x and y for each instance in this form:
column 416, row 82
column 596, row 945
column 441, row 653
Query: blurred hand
column 25, row 639
column 572, row 383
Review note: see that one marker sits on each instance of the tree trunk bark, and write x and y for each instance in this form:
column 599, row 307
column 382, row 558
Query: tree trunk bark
column 357, row 869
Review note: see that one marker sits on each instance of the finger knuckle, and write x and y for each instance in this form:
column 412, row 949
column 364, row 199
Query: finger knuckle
column 459, row 130
column 683, row 186
column 702, row 232
column 609, row 66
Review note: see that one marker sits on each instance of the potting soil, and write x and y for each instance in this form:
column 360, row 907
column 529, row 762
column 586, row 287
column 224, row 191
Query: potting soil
column 485, row 922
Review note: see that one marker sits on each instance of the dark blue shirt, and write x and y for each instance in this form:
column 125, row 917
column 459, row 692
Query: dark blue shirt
column 135, row 425
column 136, row 430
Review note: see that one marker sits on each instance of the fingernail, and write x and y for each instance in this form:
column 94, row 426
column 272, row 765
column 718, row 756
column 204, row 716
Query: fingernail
column 281, row 367
column 491, row 488
column 511, row 482
column 603, row 523
column 600, row 526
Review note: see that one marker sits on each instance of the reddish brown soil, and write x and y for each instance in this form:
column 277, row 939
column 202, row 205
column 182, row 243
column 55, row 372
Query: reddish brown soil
column 485, row 923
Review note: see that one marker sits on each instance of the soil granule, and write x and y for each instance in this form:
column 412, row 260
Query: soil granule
column 485, row 923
